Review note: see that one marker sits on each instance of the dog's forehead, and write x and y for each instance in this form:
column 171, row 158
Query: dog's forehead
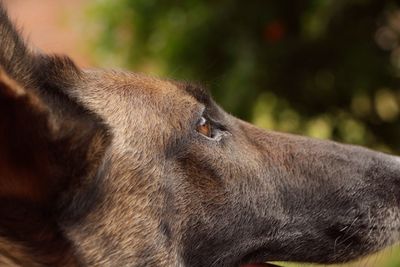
column 124, row 98
column 129, row 83
column 131, row 86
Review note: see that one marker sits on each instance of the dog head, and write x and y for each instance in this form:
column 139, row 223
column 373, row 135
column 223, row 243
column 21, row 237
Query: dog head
column 112, row 168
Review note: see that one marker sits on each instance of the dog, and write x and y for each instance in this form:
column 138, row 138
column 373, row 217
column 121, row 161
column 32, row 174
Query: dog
column 113, row 168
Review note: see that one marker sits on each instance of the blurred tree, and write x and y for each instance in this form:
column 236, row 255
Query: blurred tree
column 325, row 68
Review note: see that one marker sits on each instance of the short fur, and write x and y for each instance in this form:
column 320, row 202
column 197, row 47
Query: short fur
column 107, row 168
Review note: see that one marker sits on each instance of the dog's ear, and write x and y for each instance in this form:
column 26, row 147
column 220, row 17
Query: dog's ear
column 44, row 147
column 48, row 141
column 24, row 162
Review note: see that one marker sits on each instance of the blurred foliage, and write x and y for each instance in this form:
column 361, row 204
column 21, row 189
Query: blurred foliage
column 323, row 68
column 387, row 258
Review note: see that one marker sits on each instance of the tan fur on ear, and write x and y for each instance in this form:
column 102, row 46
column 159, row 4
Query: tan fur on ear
column 9, row 87
column 12, row 255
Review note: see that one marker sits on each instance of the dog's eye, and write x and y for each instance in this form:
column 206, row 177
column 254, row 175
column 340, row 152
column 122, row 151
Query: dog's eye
column 205, row 128
column 211, row 129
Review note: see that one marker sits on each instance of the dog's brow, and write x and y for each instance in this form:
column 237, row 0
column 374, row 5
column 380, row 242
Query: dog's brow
column 200, row 93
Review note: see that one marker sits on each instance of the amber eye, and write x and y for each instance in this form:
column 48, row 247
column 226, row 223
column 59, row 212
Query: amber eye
column 204, row 127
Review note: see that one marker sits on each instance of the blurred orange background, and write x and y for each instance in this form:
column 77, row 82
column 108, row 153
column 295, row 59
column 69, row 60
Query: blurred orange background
column 52, row 26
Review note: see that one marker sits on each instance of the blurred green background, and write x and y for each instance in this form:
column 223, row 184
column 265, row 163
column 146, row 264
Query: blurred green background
column 323, row 68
